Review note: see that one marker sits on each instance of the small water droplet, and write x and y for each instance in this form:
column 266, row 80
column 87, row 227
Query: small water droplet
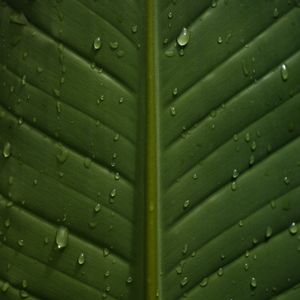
column 134, row 29
column 114, row 45
column 7, row 223
column 81, row 258
column 97, row 43
column 213, row 3
column 21, row 243
column 129, row 280
column 105, row 252
column 24, row 284
column 253, row 283
column 170, row 15
column 6, row 150
column 179, row 270
column 235, row 174
column 241, row 223
column 172, row 111
column 184, row 281
column 62, row 154
column 87, row 162
column 220, row 40
column 275, row 12
column 269, row 232
column 107, row 273
column 284, row 72
column 97, row 208
column 293, row 229
column 184, row 37
column 220, row 272
column 233, row 186
column 113, row 193
column 62, row 237
column 23, row 294
column 5, row 286
column 185, row 249
column 286, row 180
column 186, row 203
column 204, row 282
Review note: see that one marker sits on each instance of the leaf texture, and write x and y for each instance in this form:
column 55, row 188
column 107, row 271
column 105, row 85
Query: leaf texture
column 175, row 169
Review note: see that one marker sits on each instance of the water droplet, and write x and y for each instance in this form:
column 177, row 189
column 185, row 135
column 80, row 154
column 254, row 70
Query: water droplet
column 253, row 146
column 134, row 29
column 172, row 111
column 253, row 283
column 87, row 162
column 275, row 12
column 170, row 15
column 179, row 270
column 175, row 91
column 56, row 92
column 293, row 229
column 113, row 193
column 58, row 107
column 204, row 282
column 18, row 18
column 233, row 186
column 241, row 223
column 220, row 272
column 7, row 223
column 251, row 160
column 116, row 137
column 62, row 154
column 185, row 249
column 213, row 3
column 62, row 237
column 105, row 252
column 235, row 174
column 184, row 281
column 114, row 45
column 107, row 273
column 184, row 37
column 97, row 208
column 24, row 284
column 117, row 176
column 269, row 232
column 220, row 40
column 247, row 137
column 23, row 294
column 5, row 286
column 81, row 258
column 284, row 72
column 97, row 43
column 21, row 243
column 286, row 180
column 246, row 267
column 6, row 150
column 186, row 203
column 129, row 280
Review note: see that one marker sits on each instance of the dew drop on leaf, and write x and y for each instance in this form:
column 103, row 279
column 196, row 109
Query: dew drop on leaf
column 97, row 208
column 5, row 286
column 184, row 37
column 235, row 174
column 284, row 72
column 81, row 258
column 184, row 281
column 129, row 280
column 62, row 237
column 97, row 43
column 6, row 150
column 204, row 282
column 253, row 283
column 293, row 229
column 269, row 232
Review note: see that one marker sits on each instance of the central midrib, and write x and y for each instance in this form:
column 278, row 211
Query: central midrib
column 151, row 180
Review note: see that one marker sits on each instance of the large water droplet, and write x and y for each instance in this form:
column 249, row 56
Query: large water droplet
column 62, row 237
column 97, row 43
column 184, row 37
column 284, row 72
column 81, row 258
column 6, row 150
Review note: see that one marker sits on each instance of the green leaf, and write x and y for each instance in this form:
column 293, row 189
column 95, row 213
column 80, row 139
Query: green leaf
column 150, row 149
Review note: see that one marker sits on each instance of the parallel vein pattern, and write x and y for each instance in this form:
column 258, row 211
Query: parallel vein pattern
column 229, row 136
